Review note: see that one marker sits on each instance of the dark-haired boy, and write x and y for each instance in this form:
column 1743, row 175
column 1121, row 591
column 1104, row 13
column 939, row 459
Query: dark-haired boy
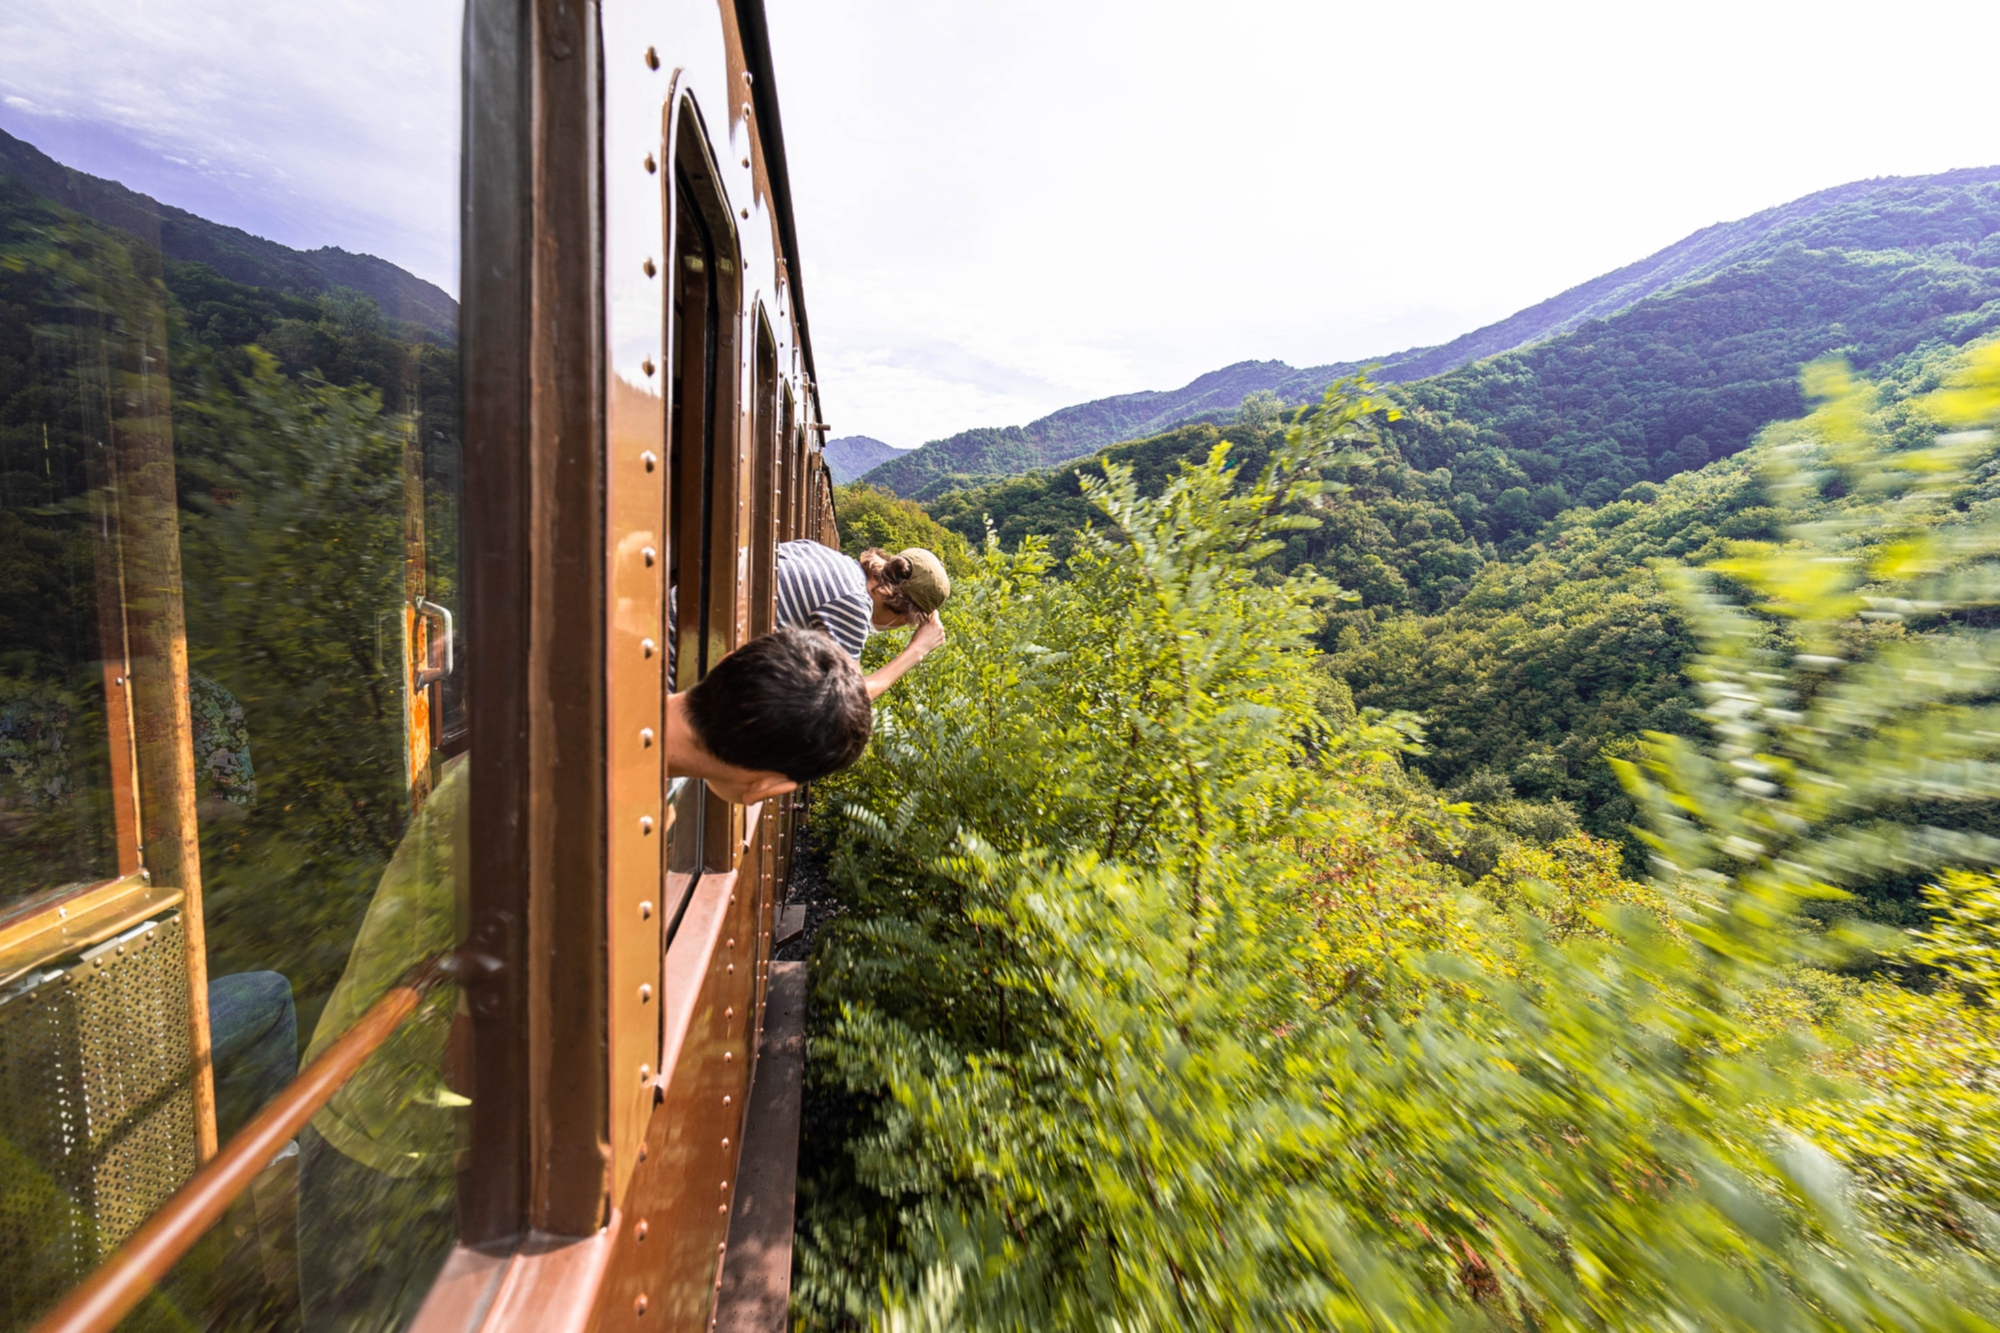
column 783, row 709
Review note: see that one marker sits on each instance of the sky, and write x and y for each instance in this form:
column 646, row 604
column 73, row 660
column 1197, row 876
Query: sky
column 1008, row 208
column 329, row 122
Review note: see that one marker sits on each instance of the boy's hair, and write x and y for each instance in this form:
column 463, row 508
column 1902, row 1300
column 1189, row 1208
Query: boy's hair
column 790, row 702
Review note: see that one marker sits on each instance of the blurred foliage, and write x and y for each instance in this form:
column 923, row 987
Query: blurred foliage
column 1152, row 1009
column 291, row 421
column 292, row 555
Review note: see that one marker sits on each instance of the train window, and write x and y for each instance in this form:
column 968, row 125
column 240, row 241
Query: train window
column 709, row 499
column 788, row 467
column 762, row 482
column 702, row 418
column 232, row 721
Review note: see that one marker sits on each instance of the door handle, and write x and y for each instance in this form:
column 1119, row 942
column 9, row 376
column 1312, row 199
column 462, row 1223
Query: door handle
column 432, row 672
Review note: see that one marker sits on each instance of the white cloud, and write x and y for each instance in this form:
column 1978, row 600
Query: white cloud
column 330, row 123
column 1110, row 195
column 1006, row 208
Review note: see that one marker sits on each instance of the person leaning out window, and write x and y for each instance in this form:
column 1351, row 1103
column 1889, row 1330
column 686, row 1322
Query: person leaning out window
column 851, row 597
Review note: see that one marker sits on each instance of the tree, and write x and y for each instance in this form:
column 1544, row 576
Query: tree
column 1111, row 1044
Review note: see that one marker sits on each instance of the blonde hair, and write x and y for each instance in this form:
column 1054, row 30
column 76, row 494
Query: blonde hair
column 888, row 572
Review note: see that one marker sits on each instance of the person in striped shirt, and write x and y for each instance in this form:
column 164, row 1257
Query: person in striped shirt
column 849, row 597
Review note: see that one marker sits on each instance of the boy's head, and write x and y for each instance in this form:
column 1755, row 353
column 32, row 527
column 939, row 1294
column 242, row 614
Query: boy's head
column 791, row 702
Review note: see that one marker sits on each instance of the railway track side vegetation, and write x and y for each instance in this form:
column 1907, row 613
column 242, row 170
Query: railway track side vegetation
column 1153, row 1005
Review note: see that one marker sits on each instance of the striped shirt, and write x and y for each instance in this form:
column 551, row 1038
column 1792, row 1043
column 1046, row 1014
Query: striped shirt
column 819, row 588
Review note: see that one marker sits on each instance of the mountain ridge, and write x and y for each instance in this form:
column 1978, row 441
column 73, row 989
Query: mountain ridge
column 234, row 253
column 851, row 455
column 1908, row 213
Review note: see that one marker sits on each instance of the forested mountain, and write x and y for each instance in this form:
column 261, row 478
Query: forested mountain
column 1657, row 367
column 233, row 253
column 974, row 456
column 851, row 455
column 1535, row 643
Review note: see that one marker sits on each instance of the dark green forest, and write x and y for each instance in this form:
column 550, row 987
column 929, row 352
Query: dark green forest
column 1533, row 662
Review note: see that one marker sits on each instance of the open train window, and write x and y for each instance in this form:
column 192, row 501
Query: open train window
column 708, row 519
column 702, row 400
column 788, row 467
column 762, row 481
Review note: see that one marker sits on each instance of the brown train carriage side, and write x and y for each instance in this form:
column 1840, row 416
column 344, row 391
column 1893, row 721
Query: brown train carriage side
column 636, row 426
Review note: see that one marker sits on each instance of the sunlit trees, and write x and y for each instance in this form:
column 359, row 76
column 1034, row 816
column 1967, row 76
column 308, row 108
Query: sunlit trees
column 1145, row 1015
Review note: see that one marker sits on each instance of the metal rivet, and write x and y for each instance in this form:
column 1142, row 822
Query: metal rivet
column 746, row 78
column 649, row 267
column 647, row 647
column 645, row 823
column 721, row 1208
column 746, row 161
column 730, row 1012
column 651, row 460
column 731, row 969
column 645, row 994
column 649, row 555
column 648, row 366
column 746, row 111
column 746, row 212
column 639, row 1306
column 725, row 1099
column 641, row 1229
column 646, row 910
column 725, row 1187
column 732, row 941
column 646, row 736
column 652, row 62
column 728, row 1056
column 645, row 1072
column 725, row 1143
column 651, row 165
column 643, row 1150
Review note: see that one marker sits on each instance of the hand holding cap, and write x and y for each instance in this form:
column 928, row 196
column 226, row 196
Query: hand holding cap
column 928, row 585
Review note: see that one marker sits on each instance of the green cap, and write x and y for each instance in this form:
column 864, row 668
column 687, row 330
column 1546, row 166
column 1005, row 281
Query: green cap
column 928, row 584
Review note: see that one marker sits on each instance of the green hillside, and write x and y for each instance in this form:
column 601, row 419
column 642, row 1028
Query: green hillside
column 1532, row 659
column 253, row 261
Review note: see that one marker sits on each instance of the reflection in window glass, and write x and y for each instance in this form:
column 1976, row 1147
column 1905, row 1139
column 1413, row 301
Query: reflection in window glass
column 232, row 784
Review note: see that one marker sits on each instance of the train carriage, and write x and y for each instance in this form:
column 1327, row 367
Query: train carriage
column 361, row 965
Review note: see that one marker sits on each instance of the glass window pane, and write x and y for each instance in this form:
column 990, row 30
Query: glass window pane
column 232, row 721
